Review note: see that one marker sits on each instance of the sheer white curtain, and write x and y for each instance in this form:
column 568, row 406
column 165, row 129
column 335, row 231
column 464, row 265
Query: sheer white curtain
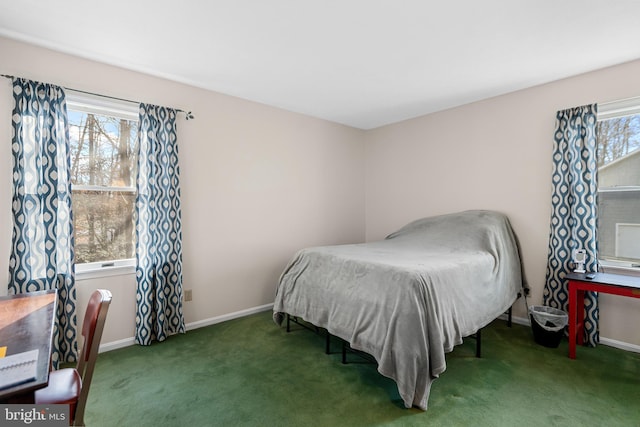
column 42, row 253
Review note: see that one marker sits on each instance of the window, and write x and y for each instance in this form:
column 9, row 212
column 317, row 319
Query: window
column 102, row 135
column 619, row 184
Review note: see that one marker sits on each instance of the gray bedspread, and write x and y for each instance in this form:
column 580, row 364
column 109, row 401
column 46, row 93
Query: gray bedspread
column 409, row 299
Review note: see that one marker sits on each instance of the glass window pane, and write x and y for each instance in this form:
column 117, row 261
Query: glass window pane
column 102, row 150
column 619, row 189
column 102, row 155
column 103, row 225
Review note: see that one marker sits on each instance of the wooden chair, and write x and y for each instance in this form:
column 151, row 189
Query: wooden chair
column 70, row 386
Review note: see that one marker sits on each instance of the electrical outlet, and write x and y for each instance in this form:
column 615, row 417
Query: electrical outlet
column 188, row 296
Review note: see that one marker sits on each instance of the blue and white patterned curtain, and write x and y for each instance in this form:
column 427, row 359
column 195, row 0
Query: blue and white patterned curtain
column 158, row 227
column 574, row 214
column 42, row 253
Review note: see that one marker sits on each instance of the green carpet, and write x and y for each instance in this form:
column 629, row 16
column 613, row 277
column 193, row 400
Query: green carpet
column 249, row 372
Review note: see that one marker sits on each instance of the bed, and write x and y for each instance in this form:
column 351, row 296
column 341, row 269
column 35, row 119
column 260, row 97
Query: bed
column 410, row 298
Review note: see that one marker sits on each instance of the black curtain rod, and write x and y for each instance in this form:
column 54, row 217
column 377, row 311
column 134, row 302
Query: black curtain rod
column 187, row 114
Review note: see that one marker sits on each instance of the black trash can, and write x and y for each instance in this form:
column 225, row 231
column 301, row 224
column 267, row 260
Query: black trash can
column 548, row 325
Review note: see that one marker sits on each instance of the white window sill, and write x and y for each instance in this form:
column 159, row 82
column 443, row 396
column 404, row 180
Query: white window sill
column 105, row 269
column 616, row 267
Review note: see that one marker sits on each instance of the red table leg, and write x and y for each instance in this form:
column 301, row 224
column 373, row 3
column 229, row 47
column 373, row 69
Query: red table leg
column 573, row 319
column 580, row 316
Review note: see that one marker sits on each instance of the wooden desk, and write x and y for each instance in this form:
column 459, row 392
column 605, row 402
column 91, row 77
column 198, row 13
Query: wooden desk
column 616, row 284
column 27, row 322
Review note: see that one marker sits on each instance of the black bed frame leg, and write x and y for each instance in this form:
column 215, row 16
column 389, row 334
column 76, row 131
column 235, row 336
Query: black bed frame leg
column 479, row 343
column 327, row 348
column 344, row 352
column 288, row 323
column 509, row 313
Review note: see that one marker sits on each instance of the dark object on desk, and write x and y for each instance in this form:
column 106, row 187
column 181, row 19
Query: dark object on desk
column 27, row 322
column 70, row 386
column 18, row 368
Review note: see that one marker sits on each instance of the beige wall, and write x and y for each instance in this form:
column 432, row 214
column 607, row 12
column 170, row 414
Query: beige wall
column 258, row 183
column 493, row 154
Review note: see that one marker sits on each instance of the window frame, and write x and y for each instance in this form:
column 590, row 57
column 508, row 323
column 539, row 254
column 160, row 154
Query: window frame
column 95, row 104
column 606, row 111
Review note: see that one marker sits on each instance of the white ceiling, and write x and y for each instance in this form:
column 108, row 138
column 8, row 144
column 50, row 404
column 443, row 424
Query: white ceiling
column 364, row 63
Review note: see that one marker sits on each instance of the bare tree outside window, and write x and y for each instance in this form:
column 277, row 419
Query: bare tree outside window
column 617, row 138
column 103, row 188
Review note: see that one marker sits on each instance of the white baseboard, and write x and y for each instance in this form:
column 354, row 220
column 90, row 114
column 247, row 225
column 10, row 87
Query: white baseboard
column 219, row 319
column 190, row 326
column 603, row 340
column 114, row 345
column 620, row 344
column 517, row 320
column 225, row 317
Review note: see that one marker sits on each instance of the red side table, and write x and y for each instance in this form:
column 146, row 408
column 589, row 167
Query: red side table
column 616, row 284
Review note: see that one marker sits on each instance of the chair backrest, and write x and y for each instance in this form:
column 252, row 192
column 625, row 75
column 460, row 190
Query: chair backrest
column 92, row 327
